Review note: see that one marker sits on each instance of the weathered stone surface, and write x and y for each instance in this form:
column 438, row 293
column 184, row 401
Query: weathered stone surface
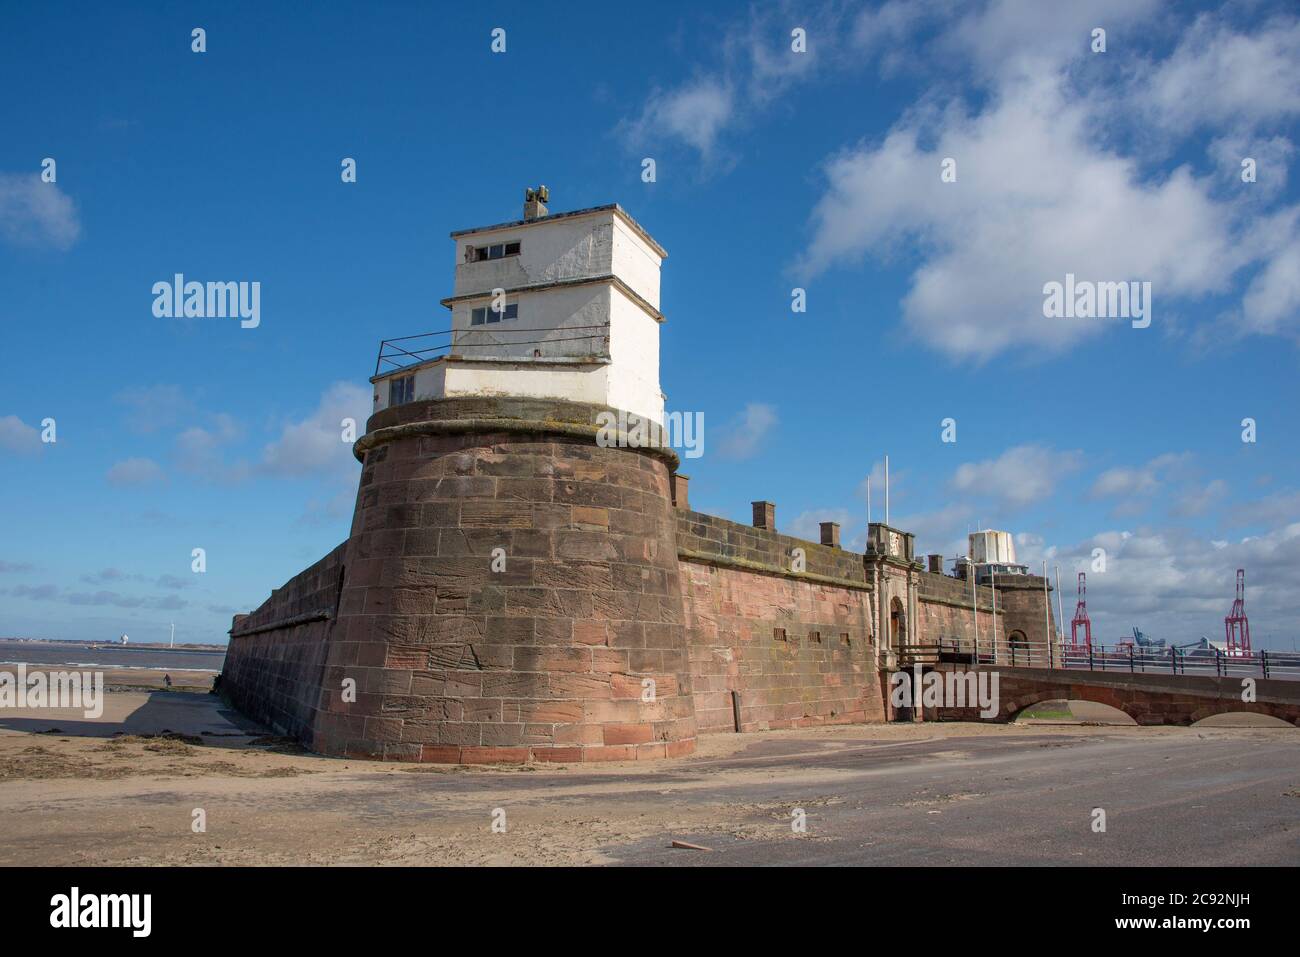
column 616, row 627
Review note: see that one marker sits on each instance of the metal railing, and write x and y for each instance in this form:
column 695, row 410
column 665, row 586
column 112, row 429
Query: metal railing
column 404, row 351
column 1126, row 657
column 399, row 357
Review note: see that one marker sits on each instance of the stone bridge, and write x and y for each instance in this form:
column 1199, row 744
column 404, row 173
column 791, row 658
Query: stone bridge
column 1146, row 698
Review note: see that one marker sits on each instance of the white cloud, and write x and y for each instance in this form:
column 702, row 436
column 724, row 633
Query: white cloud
column 1220, row 77
column 18, row 436
column 1019, row 476
column 753, row 65
column 883, row 32
column 743, row 436
column 940, row 531
column 1035, row 198
column 201, row 451
column 1006, row 39
column 96, row 598
column 1134, row 487
column 1197, row 500
column 314, row 445
column 1042, row 190
column 693, row 114
column 1178, row 586
column 154, row 407
column 135, row 471
column 1272, row 156
column 898, row 489
column 1272, row 301
column 1276, row 509
column 35, row 213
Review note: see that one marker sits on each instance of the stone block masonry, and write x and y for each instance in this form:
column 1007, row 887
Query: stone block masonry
column 276, row 660
column 512, row 591
column 771, row 647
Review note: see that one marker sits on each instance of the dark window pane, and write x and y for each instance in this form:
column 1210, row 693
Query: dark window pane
column 512, row 249
column 401, row 390
column 476, row 317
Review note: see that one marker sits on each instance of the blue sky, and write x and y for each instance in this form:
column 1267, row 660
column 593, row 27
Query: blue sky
column 775, row 170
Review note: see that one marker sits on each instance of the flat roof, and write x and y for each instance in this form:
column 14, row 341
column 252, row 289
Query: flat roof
column 550, row 217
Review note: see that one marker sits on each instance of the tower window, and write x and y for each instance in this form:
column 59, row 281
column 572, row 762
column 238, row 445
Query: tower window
column 495, row 251
column 401, row 390
column 485, row 314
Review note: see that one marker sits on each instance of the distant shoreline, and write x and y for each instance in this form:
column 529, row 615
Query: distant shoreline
column 190, row 647
column 106, row 655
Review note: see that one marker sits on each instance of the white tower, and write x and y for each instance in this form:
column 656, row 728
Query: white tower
column 562, row 306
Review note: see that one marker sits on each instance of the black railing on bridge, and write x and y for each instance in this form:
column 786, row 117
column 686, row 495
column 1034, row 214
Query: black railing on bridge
column 1211, row 662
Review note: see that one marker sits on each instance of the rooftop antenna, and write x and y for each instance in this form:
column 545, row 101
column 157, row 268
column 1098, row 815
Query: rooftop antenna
column 886, row 489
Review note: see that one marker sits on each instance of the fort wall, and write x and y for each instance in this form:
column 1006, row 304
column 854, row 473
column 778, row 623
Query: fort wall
column 618, row 624
column 275, row 663
column 770, row 647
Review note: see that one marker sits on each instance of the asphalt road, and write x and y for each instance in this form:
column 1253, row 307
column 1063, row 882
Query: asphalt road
column 1195, row 799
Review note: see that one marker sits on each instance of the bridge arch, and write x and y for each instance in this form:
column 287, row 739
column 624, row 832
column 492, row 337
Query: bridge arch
column 1202, row 715
column 1072, row 710
column 1146, row 706
column 1096, row 695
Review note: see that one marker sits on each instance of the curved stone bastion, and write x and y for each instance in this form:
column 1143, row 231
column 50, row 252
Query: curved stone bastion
column 524, row 582
column 509, row 592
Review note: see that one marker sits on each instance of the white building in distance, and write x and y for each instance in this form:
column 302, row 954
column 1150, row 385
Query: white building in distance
column 992, row 552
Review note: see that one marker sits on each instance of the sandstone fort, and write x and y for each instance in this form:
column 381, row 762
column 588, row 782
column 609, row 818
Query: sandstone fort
column 513, row 589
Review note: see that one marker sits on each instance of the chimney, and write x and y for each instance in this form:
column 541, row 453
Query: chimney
column 936, row 564
column 681, row 489
column 765, row 515
column 535, row 201
column 831, row 534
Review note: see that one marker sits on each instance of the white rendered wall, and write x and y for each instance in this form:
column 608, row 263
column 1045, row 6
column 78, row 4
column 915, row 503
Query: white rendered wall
column 634, row 347
column 557, row 315
column 584, row 384
column 576, row 248
column 636, row 263
column 594, row 320
column 429, row 384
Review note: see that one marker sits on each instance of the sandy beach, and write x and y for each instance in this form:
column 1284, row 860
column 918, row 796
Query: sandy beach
column 124, row 790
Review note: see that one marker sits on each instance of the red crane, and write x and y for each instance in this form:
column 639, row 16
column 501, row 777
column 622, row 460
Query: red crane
column 1081, row 618
column 1236, row 626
